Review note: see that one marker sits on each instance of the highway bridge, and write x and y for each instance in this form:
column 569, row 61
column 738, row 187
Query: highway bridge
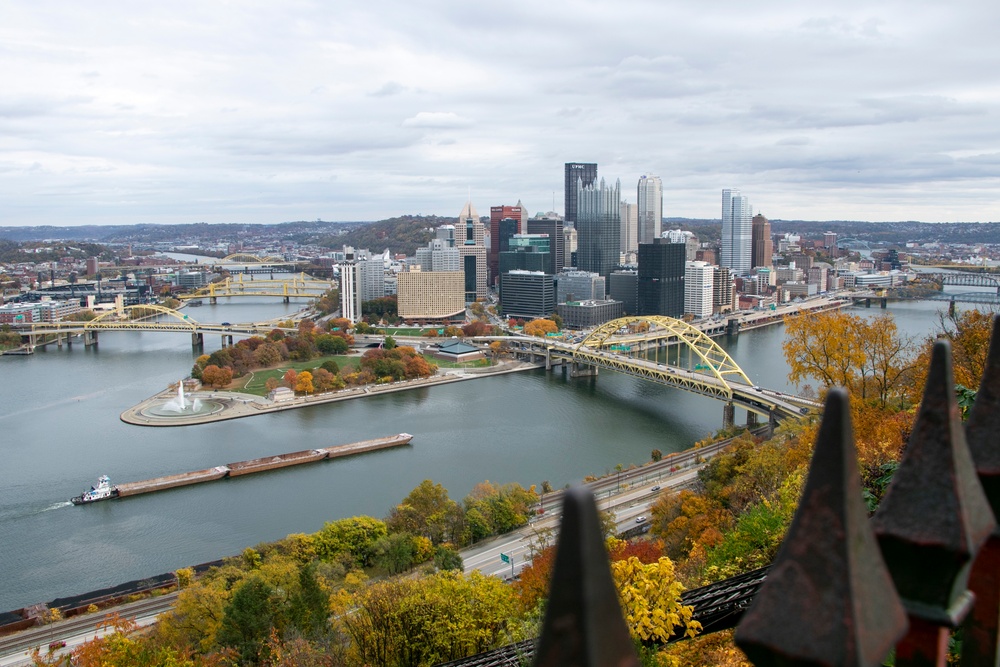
column 297, row 286
column 139, row 318
column 666, row 351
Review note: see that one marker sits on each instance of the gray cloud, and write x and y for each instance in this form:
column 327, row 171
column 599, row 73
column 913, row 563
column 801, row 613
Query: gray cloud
column 197, row 111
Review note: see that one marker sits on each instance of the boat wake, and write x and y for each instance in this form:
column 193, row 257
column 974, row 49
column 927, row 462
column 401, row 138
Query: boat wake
column 56, row 506
column 23, row 512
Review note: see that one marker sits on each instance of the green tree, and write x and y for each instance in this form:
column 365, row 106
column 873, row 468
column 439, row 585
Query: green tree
column 427, row 510
column 395, row 552
column 354, row 537
column 310, row 605
column 252, row 613
column 330, row 344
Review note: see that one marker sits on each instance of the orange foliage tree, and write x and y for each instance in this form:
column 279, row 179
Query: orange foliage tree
column 540, row 327
column 213, row 376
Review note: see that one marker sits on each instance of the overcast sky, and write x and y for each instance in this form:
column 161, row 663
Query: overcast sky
column 115, row 112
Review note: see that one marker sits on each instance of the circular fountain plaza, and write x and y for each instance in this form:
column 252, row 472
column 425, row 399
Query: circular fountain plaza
column 181, row 408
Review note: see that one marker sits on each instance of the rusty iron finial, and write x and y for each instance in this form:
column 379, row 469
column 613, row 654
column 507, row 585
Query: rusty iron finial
column 982, row 431
column 981, row 641
column 934, row 516
column 827, row 599
column 583, row 626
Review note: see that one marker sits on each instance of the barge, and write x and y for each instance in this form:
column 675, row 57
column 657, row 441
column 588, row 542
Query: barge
column 104, row 490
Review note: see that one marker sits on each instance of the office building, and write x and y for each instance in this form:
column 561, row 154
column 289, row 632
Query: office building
column 598, row 227
column 527, row 294
column 762, row 246
column 439, row 255
column 698, row 289
column 431, row 297
column 471, row 248
column 553, row 227
column 350, row 290
column 498, row 214
column 689, row 239
column 588, row 314
column 723, row 290
column 736, row 249
column 630, row 229
column 577, row 174
column 661, row 278
column 371, row 278
column 650, row 205
column 580, row 286
column 624, row 286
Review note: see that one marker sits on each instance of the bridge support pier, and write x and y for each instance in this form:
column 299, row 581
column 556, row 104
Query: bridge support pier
column 285, row 300
column 733, row 327
column 582, row 370
column 198, row 340
column 884, row 303
column 751, row 419
column 728, row 415
column 213, row 300
column 868, row 303
column 89, row 338
column 548, row 359
column 951, row 308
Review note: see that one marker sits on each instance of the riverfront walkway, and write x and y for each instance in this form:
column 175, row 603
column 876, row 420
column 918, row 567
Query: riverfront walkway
column 236, row 405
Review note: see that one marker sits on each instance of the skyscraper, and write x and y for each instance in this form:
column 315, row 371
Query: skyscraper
column 498, row 213
column 575, row 173
column 762, row 245
column 698, row 288
column 736, row 233
column 553, row 226
column 598, row 227
column 630, row 228
column 661, row 278
column 650, row 203
column 472, row 249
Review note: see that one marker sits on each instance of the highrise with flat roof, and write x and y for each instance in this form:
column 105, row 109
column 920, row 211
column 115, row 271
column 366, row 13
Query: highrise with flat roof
column 736, row 250
column 577, row 172
column 761, row 243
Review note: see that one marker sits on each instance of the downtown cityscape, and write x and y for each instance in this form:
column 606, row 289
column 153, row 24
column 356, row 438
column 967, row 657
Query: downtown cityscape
column 463, row 335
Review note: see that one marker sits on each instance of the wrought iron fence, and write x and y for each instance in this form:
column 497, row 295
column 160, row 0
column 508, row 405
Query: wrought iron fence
column 843, row 589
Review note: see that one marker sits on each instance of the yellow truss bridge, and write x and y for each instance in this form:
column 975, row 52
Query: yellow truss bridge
column 694, row 362
column 247, row 258
column 140, row 318
column 299, row 286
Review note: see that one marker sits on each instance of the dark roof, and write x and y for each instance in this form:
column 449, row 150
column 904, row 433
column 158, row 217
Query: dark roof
column 458, row 347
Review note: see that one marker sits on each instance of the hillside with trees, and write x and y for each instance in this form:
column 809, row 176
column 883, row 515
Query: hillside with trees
column 401, row 235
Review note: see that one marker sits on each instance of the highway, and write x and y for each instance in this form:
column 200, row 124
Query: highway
column 629, row 494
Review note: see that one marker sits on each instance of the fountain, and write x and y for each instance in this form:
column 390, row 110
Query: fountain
column 179, row 404
column 180, row 407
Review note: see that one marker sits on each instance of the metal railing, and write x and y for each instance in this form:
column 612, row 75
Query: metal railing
column 843, row 589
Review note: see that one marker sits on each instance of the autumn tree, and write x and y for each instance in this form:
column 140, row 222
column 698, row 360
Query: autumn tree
column 354, row 538
column 304, row 383
column 685, row 519
column 332, row 344
column 540, row 327
column 823, row 346
column 290, row 378
column 427, row 510
column 650, row 596
column 968, row 331
column 213, row 376
column 251, row 614
column 341, row 323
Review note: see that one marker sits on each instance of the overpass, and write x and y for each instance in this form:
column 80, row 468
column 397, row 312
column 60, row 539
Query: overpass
column 299, row 285
column 139, row 318
column 690, row 361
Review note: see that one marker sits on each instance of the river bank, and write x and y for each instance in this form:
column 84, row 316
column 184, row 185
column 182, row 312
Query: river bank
column 237, row 405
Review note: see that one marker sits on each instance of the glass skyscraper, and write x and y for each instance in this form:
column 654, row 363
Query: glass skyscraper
column 737, row 233
column 650, row 203
column 576, row 172
column 598, row 227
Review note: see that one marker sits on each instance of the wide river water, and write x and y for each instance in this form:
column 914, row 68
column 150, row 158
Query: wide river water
column 59, row 420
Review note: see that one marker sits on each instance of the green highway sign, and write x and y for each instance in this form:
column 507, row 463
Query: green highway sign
column 504, row 557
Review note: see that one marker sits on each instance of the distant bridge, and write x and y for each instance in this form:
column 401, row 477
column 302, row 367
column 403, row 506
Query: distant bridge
column 632, row 345
column 139, row 318
column 299, row 286
column 965, row 279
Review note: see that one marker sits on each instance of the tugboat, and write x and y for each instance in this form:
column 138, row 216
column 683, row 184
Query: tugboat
column 102, row 491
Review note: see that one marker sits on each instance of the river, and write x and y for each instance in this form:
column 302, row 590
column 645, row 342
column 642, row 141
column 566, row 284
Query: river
column 61, row 430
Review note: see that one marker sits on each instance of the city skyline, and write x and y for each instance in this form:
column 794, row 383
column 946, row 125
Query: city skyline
column 117, row 114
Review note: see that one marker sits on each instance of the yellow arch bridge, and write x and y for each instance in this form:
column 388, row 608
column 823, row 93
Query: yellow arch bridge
column 148, row 317
column 666, row 351
column 298, row 286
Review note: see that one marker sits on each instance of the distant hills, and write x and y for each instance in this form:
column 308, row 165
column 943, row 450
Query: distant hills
column 404, row 234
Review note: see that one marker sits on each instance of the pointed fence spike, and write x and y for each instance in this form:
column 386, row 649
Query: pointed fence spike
column 584, row 625
column 981, row 639
column 983, row 426
column 934, row 516
column 827, row 599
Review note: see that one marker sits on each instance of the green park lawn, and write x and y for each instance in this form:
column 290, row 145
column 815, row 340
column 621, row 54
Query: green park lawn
column 254, row 381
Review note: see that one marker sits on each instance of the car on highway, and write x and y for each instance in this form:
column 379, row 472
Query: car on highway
column 656, row 488
column 640, row 519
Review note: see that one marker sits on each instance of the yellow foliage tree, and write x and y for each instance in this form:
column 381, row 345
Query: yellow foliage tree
column 540, row 327
column 650, row 596
column 822, row 346
column 304, row 383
